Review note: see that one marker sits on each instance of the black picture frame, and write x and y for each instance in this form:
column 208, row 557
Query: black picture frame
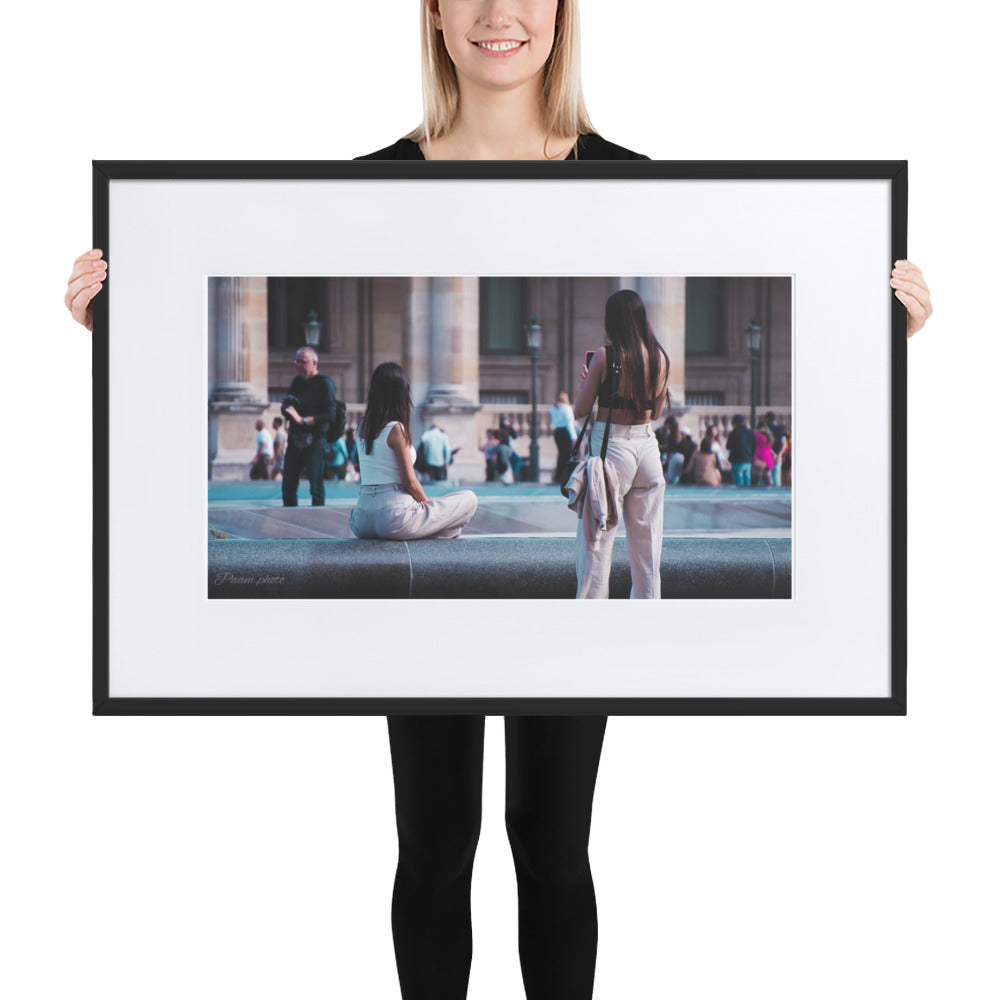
column 107, row 173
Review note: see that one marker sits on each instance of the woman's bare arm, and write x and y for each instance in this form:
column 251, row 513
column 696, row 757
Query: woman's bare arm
column 397, row 442
column 592, row 378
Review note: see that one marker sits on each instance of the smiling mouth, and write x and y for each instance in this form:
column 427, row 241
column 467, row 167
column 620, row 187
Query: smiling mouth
column 509, row 45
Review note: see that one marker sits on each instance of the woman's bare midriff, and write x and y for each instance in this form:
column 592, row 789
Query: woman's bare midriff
column 620, row 416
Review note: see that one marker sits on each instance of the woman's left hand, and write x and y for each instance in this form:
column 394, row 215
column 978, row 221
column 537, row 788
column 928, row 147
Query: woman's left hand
column 911, row 289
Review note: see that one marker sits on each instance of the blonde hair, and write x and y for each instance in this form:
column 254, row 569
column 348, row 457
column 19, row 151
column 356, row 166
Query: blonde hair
column 562, row 397
column 564, row 110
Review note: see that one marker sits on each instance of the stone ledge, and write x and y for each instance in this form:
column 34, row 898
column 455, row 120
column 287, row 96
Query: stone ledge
column 700, row 568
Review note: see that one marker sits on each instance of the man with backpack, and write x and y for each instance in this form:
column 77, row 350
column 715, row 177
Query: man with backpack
column 313, row 413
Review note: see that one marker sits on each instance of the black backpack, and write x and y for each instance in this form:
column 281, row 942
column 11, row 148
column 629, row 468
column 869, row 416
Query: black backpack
column 335, row 429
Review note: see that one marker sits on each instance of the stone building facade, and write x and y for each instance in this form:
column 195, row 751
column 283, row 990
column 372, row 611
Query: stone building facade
column 462, row 342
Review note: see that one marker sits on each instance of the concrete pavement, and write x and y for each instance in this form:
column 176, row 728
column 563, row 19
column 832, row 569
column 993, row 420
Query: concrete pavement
column 253, row 510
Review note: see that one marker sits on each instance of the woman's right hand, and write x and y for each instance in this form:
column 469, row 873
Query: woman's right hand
column 89, row 271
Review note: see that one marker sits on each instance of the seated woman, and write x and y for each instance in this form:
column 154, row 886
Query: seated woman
column 705, row 464
column 392, row 502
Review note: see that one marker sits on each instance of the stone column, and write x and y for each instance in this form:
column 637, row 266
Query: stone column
column 232, row 381
column 417, row 330
column 665, row 300
column 278, row 308
column 238, row 339
column 334, row 329
column 454, row 341
column 444, row 346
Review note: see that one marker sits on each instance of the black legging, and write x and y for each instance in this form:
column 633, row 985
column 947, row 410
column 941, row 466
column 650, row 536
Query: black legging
column 298, row 460
column 564, row 442
column 437, row 764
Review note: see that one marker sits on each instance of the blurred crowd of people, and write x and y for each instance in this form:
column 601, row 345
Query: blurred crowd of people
column 503, row 463
column 760, row 457
column 340, row 457
column 269, row 458
column 745, row 457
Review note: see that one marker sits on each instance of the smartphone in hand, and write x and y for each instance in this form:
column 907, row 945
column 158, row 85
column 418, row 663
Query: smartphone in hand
column 590, row 357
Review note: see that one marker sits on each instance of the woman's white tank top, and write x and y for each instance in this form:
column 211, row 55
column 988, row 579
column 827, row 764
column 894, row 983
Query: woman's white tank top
column 381, row 465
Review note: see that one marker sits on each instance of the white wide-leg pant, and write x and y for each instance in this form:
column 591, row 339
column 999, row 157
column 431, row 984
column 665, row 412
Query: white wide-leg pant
column 388, row 511
column 635, row 456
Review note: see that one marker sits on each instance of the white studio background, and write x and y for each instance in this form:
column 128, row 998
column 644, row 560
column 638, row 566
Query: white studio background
column 253, row 858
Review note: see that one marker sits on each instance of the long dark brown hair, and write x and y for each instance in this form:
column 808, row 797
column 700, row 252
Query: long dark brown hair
column 628, row 328
column 389, row 400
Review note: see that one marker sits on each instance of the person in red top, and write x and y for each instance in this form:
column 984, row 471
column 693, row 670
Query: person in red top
column 763, row 456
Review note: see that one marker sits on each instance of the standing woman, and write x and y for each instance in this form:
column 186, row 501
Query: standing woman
column 564, row 430
column 501, row 81
column 633, row 456
column 392, row 503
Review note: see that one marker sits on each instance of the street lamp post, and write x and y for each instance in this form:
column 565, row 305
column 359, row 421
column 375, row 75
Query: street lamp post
column 312, row 328
column 753, row 332
column 533, row 337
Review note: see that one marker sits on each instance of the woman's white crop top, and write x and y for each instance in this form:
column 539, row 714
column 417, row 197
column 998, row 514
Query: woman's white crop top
column 381, row 465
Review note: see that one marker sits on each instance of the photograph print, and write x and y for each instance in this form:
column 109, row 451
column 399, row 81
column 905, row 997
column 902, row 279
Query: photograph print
column 448, row 437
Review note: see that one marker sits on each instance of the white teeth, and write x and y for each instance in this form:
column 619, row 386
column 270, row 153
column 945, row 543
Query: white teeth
column 499, row 46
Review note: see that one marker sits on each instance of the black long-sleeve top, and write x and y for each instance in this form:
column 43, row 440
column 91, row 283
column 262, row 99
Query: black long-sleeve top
column 741, row 444
column 317, row 398
column 588, row 147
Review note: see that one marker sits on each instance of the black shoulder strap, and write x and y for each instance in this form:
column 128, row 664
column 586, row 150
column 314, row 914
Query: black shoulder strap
column 614, row 370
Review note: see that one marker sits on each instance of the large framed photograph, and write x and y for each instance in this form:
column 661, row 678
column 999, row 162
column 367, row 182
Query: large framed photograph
column 242, row 562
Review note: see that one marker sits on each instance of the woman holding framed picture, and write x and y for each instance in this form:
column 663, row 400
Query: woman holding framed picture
column 501, row 81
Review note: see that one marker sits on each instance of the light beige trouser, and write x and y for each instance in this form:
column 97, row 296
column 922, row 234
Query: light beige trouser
column 635, row 457
column 388, row 511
